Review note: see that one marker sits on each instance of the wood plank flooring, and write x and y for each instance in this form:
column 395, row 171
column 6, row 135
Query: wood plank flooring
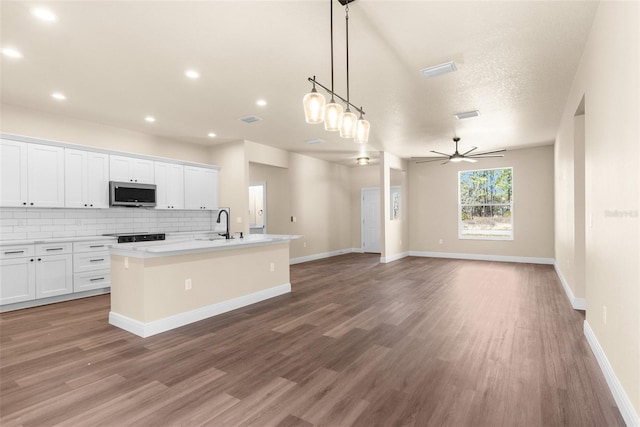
column 418, row 342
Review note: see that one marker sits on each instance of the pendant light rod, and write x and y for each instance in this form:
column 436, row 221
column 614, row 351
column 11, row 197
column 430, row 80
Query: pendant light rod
column 314, row 81
column 331, row 20
column 346, row 19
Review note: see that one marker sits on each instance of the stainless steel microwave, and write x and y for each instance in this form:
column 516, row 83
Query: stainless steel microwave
column 132, row 194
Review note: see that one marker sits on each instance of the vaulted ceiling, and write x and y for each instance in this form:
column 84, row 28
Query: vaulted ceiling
column 120, row 61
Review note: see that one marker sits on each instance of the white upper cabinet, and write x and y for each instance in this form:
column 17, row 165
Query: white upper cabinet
column 131, row 169
column 86, row 179
column 32, row 175
column 201, row 188
column 169, row 179
column 13, row 173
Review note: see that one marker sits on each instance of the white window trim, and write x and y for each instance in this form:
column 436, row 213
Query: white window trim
column 498, row 235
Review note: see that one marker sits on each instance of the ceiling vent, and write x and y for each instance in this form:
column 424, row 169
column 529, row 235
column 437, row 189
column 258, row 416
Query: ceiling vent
column 250, row 119
column 437, row 70
column 315, row 141
column 467, row 114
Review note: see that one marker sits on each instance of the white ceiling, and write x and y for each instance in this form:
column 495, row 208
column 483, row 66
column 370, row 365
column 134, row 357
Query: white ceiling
column 119, row 61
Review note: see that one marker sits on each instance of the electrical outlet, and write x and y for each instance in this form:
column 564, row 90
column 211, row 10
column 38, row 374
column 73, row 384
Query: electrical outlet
column 273, row 267
column 440, row 241
column 304, row 244
column 187, row 284
column 126, row 262
column 604, row 314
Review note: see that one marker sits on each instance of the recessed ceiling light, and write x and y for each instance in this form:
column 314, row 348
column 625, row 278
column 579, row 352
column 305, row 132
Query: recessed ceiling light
column 59, row 96
column 437, row 70
column 261, row 102
column 44, row 14
column 150, row 119
column 11, row 52
column 192, row 74
column 211, row 135
column 467, row 114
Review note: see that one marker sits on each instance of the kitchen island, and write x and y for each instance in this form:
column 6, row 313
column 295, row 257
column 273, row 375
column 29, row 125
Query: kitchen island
column 158, row 286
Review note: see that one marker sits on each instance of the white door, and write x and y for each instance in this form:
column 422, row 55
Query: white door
column 45, row 176
column 370, row 212
column 13, row 173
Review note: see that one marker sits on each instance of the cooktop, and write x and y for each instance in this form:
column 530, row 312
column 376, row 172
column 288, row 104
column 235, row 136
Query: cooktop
column 137, row 237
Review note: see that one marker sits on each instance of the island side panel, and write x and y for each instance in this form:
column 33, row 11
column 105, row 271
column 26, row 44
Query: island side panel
column 216, row 276
column 127, row 290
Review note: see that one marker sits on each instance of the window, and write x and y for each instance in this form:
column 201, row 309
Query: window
column 485, row 204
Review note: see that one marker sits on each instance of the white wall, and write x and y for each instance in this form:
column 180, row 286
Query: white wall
column 608, row 79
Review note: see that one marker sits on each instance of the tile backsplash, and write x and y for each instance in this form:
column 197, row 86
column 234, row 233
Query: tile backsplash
column 34, row 223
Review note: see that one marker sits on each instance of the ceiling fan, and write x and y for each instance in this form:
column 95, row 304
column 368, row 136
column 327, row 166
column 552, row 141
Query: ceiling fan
column 457, row 157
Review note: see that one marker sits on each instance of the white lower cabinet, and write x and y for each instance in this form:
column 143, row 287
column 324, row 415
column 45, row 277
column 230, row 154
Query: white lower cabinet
column 91, row 266
column 35, row 271
column 32, row 272
column 17, row 280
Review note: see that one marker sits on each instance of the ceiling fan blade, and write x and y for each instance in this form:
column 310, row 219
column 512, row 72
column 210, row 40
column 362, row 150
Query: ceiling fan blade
column 444, row 163
column 486, row 157
column 489, row 152
column 430, row 159
column 474, row 148
column 469, row 159
column 442, row 154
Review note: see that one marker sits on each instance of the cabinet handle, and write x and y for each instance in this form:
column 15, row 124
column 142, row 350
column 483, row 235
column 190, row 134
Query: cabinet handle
column 85, row 204
column 31, row 260
column 31, row 203
column 96, row 279
column 54, row 249
column 96, row 246
column 24, row 203
column 96, row 260
column 39, row 259
column 14, row 252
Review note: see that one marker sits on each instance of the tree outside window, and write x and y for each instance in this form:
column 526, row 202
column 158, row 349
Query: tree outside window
column 485, row 204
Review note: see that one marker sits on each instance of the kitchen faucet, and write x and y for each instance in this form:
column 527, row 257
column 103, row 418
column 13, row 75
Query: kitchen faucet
column 226, row 235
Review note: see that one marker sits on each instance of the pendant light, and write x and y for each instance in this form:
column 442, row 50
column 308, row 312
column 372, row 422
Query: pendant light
column 362, row 161
column 335, row 118
column 313, row 103
column 348, row 126
column 333, row 110
column 362, row 130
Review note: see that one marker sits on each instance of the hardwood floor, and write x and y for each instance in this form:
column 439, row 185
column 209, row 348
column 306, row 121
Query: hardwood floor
column 424, row 342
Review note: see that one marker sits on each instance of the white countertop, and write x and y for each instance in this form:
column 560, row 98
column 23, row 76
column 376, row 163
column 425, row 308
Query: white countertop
column 175, row 246
column 57, row 240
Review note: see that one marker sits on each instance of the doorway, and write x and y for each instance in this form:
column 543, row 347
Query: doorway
column 258, row 208
column 370, row 220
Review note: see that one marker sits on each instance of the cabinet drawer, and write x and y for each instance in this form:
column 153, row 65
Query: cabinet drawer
column 53, row 248
column 91, row 261
column 98, row 246
column 17, row 251
column 91, row 280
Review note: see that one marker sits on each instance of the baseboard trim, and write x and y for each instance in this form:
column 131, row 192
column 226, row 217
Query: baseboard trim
column 629, row 414
column 394, row 257
column 576, row 303
column 482, row 257
column 148, row 329
column 323, row 255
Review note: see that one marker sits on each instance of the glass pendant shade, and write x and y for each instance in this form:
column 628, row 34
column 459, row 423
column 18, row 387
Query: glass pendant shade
column 332, row 116
column 362, row 131
column 313, row 103
column 362, row 161
column 348, row 126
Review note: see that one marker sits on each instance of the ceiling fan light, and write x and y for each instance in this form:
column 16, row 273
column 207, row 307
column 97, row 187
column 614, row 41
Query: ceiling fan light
column 313, row 104
column 470, row 160
column 362, row 131
column 456, row 159
column 332, row 116
column 362, row 161
column 348, row 126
